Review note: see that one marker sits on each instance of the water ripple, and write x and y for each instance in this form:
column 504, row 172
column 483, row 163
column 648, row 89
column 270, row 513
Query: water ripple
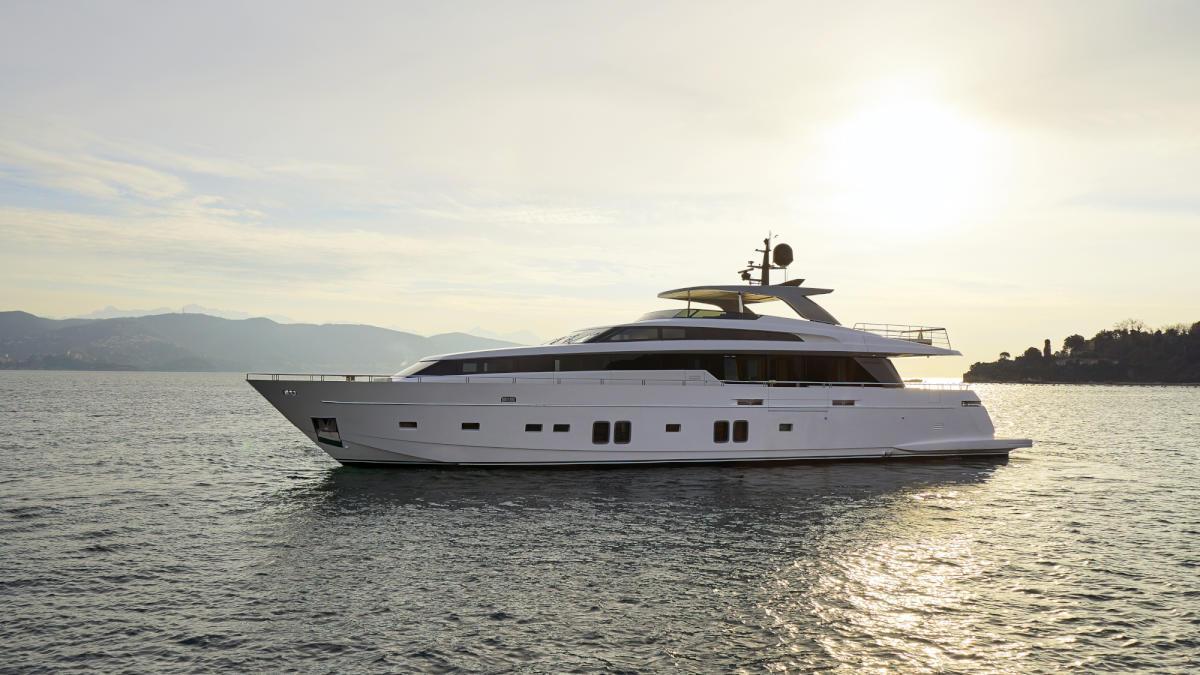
column 174, row 522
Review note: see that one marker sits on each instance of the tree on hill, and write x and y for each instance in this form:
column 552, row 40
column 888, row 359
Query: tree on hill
column 1074, row 343
column 1128, row 352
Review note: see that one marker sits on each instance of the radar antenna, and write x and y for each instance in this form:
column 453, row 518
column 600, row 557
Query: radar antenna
column 777, row 258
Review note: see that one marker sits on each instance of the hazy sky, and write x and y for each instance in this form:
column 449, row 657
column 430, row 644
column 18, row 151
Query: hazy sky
column 1012, row 170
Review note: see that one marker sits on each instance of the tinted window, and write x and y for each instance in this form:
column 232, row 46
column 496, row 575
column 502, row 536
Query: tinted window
column 629, row 333
column 721, row 431
column 622, row 432
column 599, row 432
column 741, row 431
column 729, row 367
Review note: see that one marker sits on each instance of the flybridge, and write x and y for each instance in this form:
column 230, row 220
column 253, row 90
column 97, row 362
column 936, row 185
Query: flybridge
column 733, row 299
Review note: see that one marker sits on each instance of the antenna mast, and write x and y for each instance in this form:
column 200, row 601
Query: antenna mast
column 782, row 258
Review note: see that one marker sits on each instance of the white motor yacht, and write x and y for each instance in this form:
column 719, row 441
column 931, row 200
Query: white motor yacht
column 684, row 385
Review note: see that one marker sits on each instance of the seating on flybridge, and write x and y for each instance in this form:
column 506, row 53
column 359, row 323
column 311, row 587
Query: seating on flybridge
column 721, row 383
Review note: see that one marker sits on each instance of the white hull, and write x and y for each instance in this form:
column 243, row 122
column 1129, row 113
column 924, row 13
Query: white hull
column 881, row 422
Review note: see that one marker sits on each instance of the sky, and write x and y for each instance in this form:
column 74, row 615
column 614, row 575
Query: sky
column 1012, row 171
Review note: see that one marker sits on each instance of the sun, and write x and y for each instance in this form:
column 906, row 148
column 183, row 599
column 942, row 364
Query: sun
column 908, row 163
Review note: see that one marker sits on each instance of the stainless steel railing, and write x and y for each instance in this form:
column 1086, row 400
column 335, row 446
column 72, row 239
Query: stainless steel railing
column 517, row 379
column 933, row 336
column 317, row 377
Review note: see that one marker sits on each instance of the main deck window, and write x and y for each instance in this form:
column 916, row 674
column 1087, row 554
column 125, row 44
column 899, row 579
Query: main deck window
column 735, row 367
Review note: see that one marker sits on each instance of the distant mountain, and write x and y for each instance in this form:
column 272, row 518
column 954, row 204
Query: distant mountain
column 199, row 342
column 111, row 312
column 523, row 337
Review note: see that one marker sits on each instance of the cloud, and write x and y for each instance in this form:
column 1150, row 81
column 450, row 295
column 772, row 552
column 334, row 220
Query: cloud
column 86, row 174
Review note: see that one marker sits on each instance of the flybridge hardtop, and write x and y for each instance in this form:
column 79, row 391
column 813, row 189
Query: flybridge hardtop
column 733, row 299
column 718, row 383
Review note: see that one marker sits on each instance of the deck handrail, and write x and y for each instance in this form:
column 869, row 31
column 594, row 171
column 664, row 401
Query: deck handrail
column 934, row 336
column 319, row 377
column 558, row 379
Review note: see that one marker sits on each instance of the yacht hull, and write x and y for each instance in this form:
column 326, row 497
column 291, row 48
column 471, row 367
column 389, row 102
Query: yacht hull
column 553, row 422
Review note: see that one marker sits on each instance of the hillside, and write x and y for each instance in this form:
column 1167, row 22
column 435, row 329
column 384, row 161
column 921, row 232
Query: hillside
column 1130, row 352
column 199, row 342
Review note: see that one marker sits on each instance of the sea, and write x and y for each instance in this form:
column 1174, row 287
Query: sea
column 174, row 522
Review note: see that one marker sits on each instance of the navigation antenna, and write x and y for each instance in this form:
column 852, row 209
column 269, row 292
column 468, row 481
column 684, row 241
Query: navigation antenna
column 777, row 258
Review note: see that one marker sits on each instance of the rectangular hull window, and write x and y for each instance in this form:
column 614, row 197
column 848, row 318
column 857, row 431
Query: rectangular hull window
column 327, row 431
column 470, row 426
column 408, row 425
column 785, row 426
column 599, row 433
column 741, row 431
column 622, row 431
column 562, row 427
column 673, row 428
column 533, row 427
column 721, row 431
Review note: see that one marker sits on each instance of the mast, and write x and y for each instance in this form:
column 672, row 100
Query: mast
column 766, row 263
column 780, row 260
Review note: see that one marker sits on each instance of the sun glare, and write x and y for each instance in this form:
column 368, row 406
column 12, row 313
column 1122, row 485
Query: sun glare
column 908, row 163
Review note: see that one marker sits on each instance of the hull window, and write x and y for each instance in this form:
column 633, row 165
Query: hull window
column 533, row 427
column 326, row 429
column 673, row 428
column 741, row 431
column 562, row 427
column 470, row 426
column 622, row 432
column 408, row 425
column 600, row 433
column 785, row 426
column 721, row 431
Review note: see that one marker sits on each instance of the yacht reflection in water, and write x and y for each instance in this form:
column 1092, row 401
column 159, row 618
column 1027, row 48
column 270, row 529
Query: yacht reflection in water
column 699, row 487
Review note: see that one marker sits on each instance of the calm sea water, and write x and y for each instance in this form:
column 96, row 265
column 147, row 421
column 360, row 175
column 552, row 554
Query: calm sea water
column 175, row 522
